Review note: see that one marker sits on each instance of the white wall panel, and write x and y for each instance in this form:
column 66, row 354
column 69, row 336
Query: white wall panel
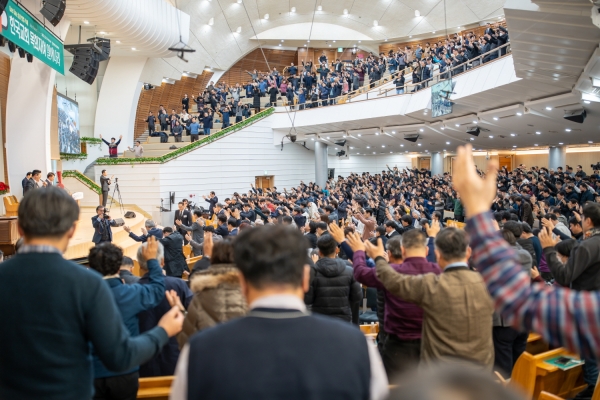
column 372, row 164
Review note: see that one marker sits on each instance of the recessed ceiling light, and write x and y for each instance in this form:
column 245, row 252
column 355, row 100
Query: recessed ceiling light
column 293, row 9
column 266, row 16
column 538, row 133
column 344, row 135
column 385, row 40
column 357, row 153
column 406, row 151
column 471, row 139
column 377, row 133
column 359, row 41
column 513, row 134
column 589, row 141
column 475, row 122
column 280, row 45
column 359, row 134
column 401, row 145
column 345, row 11
column 373, row 152
column 336, row 148
column 567, row 130
column 327, row 137
column 561, row 143
column 86, row 22
column 368, row 147
column 586, row 101
column 535, row 144
column 433, row 32
column 102, row 33
column 308, row 41
column 118, row 42
column 394, row 132
column 442, row 128
column 447, row 142
column 211, row 21
column 383, row 145
column 421, row 130
column 457, row 125
column 514, row 146
column 410, row 36
column 519, row 114
column 329, row 45
column 549, row 108
column 491, row 136
column 375, row 23
column 334, row 41
column 239, row 1
column 417, row 13
column 419, row 144
column 133, row 48
column 351, row 148
column 495, row 118
column 313, row 139
column 320, row 8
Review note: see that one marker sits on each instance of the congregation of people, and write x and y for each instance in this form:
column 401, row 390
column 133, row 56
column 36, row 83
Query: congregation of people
column 271, row 306
column 322, row 83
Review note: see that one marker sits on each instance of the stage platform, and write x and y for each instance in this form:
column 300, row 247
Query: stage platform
column 81, row 242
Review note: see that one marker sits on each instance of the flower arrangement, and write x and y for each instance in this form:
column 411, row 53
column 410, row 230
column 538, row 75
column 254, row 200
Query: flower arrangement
column 4, row 188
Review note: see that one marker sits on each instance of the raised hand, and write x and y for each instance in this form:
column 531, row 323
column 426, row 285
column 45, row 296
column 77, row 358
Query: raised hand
column 477, row 194
column 375, row 251
column 208, row 244
column 336, row 232
column 433, row 230
column 355, row 242
column 126, row 228
column 172, row 321
column 151, row 249
column 545, row 237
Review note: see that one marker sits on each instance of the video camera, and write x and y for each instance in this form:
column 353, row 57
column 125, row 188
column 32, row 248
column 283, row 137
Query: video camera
column 595, row 166
column 106, row 215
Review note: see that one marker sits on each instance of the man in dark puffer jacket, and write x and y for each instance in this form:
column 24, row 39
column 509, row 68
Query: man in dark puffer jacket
column 333, row 290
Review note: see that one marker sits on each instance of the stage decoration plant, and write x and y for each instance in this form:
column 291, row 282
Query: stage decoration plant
column 68, row 156
column 4, row 188
column 83, row 179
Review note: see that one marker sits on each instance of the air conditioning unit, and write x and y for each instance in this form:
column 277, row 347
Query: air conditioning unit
column 474, row 131
column 577, row 116
column 343, row 153
column 412, row 137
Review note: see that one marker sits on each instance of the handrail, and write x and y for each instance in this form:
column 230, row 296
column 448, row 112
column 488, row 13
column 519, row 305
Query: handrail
column 448, row 73
column 83, row 179
column 189, row 147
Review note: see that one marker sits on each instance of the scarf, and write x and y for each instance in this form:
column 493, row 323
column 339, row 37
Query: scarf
column 592, row 232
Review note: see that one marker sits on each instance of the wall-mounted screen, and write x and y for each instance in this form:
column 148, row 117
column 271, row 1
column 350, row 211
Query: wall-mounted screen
column 440, row 98
column 68, row 125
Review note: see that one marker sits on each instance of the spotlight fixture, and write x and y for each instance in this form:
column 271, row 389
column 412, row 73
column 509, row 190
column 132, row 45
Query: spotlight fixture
column 320, row 8
column 239, row 1
column 538, row 133
column 345, row 11
column 266, row 16
column 519, row 114
column 447, row 142
column 548, row 108
column 21, row 52
column 513, row 134
column 2, row 41
column 495, row 118
column 561, row 143
column 211, row 21
column 12, row 47
column 239, row 29
column 29, row 57
column 567, row 130
column 293, row 10
column 417, row 13
column 86, row 22
column 375, row 23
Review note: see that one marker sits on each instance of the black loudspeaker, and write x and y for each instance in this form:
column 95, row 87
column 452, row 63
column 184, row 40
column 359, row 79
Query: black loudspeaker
column 85, row 63
column 118, row 222
column 474, row 131
column 576, row 116
column 129, row 214
column 53, row 10
column 411, row 138
column 3, row 4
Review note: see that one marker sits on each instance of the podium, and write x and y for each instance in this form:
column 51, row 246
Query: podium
column 9, row 234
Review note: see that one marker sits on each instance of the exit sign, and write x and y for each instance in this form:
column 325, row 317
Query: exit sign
column 340, row 50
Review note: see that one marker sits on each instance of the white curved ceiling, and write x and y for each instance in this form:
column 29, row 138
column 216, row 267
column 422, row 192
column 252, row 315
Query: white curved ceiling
column 220, row 46
column 148, row 26
column 316, row 31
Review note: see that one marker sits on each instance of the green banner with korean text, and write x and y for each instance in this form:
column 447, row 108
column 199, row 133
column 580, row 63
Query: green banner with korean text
column 22, row 29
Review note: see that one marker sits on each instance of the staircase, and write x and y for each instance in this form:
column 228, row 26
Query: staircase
column 89, row 171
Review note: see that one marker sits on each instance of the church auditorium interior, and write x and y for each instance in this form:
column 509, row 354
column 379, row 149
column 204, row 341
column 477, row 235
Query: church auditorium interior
column 267, row 199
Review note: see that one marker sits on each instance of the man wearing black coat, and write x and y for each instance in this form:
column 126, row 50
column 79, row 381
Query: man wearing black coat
column 175, row 264
column 333, row 290
column 102, row 231
column 182, row 217
column 212, row 200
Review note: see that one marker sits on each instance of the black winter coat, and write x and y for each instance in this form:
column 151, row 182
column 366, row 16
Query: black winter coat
column 175, row 262
column 333, row 290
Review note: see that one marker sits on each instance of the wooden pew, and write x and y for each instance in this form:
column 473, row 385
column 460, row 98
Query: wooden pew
column 532, row 376
column 536, row 344
column 548, row 396
column 156, row 388
column 370, row 330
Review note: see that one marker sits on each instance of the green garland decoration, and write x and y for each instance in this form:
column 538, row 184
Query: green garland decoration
column 67, row 156
column 187, row 148
column 84, row 179
column 91, row 140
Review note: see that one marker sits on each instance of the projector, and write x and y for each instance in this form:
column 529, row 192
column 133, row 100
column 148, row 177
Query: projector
column 575, row 116
column 474, row 131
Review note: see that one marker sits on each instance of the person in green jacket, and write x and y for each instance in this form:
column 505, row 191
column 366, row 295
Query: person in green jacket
column 459, row 213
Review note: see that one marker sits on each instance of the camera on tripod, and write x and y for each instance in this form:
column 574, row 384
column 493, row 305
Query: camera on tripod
column 596, row 166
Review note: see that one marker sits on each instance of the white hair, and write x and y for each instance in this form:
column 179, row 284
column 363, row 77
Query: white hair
column 160, row 255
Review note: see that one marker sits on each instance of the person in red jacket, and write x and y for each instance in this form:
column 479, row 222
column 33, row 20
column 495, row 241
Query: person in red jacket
column 112, row 146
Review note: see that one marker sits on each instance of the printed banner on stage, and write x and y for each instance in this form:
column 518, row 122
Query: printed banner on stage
column 29, row 34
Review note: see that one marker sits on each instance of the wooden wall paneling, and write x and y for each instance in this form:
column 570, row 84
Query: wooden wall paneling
column 384, row 48
column 4, row 76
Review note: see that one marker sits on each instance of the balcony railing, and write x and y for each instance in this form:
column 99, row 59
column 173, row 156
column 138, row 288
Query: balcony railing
column 368, row 92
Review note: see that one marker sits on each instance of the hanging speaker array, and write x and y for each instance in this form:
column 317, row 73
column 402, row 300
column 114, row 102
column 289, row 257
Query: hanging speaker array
column 87, row 57
column 53, row 10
